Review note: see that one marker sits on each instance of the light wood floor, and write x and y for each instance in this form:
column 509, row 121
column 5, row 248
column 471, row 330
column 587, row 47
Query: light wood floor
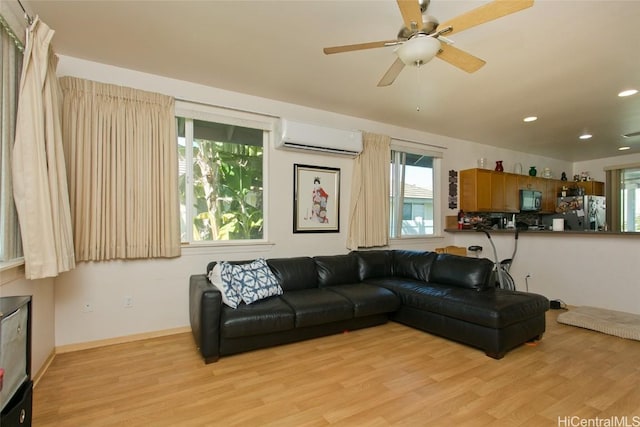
column 387, row 375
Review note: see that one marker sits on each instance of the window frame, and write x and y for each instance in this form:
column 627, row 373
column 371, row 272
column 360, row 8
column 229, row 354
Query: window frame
column 628, row 202
column 396, row 188
column 9, row 266
column 209, row 113
column 616, row 201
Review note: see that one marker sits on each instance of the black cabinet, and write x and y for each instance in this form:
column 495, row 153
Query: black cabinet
column 18, row 411
column 16, row 388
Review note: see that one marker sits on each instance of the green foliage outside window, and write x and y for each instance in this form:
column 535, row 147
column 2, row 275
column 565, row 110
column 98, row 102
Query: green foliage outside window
column 227, row 191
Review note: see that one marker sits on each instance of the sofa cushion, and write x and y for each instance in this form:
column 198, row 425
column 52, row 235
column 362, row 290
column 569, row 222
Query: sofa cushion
column 264, row 317
column 411, row 291
column 413, row 264
column 337, row 270
column 367, row 299
column 318, row 306
column 229, row 295
column 253, row 281
column 494, row 308
column 375, row 263
column 461, row 271
column 294, row 273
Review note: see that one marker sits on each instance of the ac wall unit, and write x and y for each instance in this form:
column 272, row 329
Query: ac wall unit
column 302, row 136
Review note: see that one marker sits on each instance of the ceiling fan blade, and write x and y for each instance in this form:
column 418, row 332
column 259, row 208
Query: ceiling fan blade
column 411, row 13
column 391, row 73
column 359, row 46
column 459, row 58
column 488, row 12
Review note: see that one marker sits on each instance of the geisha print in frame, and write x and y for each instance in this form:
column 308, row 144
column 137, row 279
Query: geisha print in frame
column 316, row 199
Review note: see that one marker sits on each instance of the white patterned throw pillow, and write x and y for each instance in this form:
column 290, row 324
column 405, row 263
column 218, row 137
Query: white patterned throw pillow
column 217, row 277
column 254, row 281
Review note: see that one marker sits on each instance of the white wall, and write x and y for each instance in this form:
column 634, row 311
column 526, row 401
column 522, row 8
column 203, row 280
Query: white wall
column 595, row 270
column 596, row 167
column 160, row 287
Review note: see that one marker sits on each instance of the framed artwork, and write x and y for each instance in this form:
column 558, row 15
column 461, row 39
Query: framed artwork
column 316, row 199
column 453, row 189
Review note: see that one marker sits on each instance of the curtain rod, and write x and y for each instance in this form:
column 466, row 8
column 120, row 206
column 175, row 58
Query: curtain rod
column 26, row 15
column 420, row 143
column 5, row 26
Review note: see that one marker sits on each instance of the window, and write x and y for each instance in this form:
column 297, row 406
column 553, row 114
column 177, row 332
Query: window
column 630, row 198
column 412, row 195
column 221, row 179
column 10, row 241
column 623, row 198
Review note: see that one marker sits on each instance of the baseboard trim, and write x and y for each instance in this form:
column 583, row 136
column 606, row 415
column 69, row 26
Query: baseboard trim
column 38, row 376
column 119, row 340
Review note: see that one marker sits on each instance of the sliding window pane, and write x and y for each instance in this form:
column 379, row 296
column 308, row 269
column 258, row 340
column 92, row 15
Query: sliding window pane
column 630, row 197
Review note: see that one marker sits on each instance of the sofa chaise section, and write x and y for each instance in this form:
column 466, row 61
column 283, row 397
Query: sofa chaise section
column 457, row 301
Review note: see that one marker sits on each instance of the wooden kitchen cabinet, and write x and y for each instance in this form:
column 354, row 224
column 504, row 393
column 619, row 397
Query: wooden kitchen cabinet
column 525, row 182
column 497, row 192
column 550, row 195
column 483, row 190
column 475, row 190
column 511, row 193
column 591, row 188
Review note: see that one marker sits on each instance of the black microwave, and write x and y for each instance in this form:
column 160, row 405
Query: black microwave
column 530, row 200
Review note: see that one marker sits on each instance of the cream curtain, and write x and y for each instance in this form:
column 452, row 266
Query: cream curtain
column 369, row 209
column 39, row 178
column 121, row 153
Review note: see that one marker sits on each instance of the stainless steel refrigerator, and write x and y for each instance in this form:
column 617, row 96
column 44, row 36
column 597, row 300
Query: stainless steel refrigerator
column 582, row 212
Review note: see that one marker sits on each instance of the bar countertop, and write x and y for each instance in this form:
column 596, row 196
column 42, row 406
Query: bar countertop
column 567, row 233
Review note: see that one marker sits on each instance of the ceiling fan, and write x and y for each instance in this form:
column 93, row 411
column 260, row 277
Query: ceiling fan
column 422, row 37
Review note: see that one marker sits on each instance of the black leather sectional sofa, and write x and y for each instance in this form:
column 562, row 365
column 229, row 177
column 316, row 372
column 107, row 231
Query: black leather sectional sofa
column 447, row 295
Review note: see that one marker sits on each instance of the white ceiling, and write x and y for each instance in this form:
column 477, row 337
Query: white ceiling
column 563, row 61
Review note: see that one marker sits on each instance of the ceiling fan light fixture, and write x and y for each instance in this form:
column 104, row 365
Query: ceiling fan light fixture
column 631, row 134
column 628, row 92
column 418, row 50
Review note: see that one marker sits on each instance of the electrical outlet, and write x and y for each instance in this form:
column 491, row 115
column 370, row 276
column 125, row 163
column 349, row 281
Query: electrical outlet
column 128, row 302
column 87, row 307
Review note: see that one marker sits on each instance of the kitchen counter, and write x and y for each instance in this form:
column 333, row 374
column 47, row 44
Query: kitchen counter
column 550, row 232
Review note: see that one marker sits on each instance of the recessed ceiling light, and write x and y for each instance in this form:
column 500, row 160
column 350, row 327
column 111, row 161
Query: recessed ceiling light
column 627, row 92
column 624, row 148
column 530, row 119
column 585, row 136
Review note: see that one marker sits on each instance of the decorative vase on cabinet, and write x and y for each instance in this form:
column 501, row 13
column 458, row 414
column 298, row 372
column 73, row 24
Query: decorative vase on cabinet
column 499, row 167
column 533, row 171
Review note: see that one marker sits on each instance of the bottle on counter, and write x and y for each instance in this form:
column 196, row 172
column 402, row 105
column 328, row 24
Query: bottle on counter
column 460, row 219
